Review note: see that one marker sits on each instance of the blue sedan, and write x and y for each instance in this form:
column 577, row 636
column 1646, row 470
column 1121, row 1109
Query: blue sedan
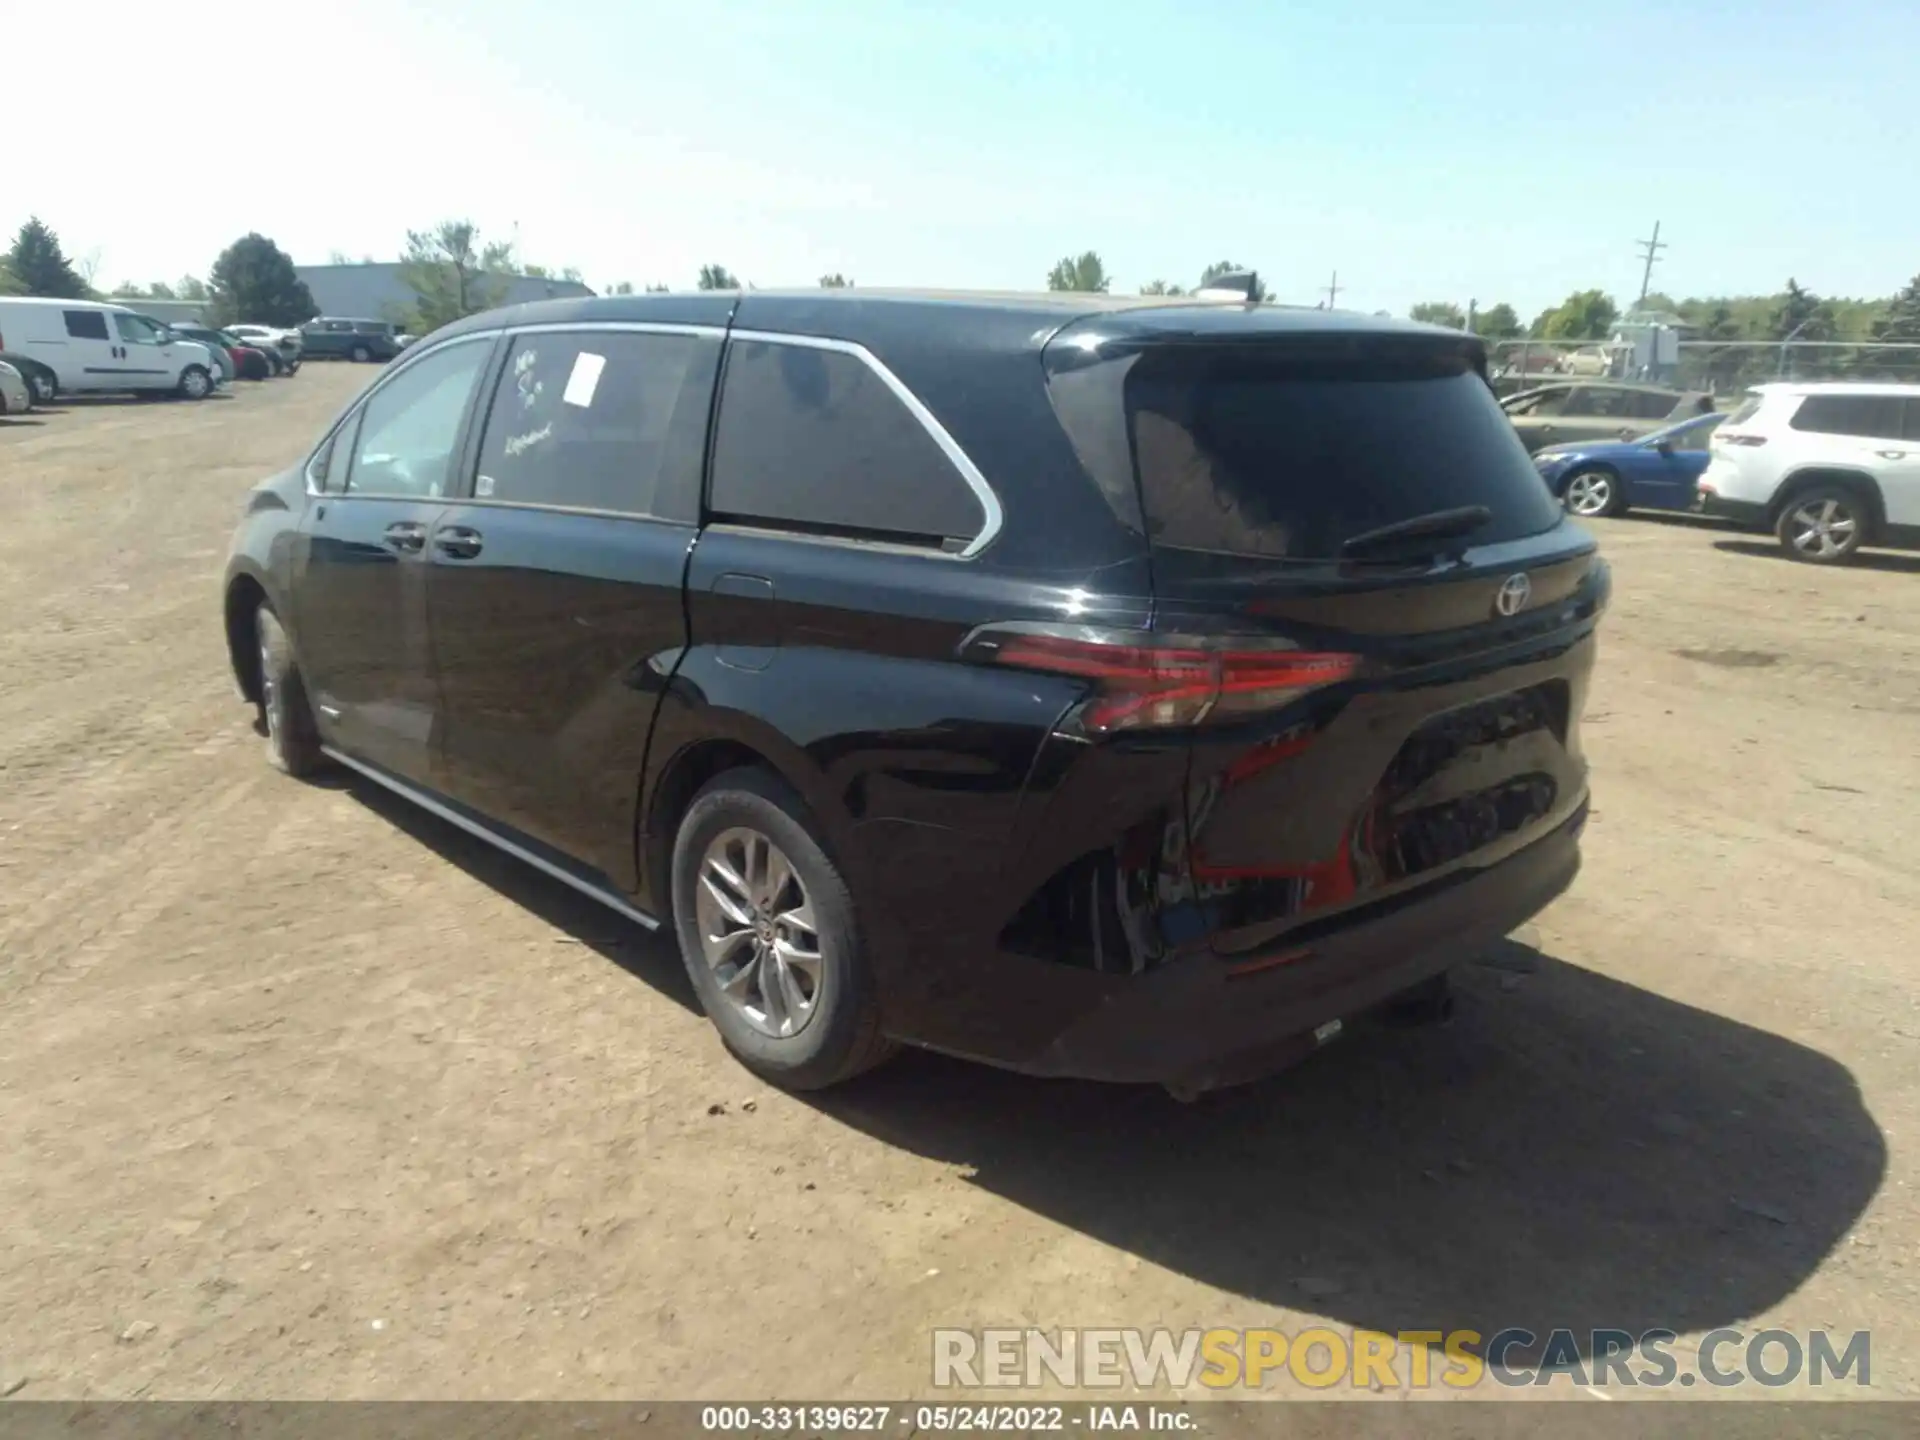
column 1658, row 471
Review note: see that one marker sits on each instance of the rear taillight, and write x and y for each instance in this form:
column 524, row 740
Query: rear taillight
column 1144, row 683
column 1741, row 439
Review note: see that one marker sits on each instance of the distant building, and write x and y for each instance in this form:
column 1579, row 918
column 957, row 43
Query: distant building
column 167, row 312
column 375, row 291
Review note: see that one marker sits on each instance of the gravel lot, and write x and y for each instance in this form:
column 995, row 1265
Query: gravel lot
column 308, row 1095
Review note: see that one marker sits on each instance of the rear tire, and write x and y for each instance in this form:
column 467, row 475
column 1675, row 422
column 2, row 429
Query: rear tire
column 770, row 938
column 1825, row 525
column 293, row 740
column 42, row 386
column 361, row 354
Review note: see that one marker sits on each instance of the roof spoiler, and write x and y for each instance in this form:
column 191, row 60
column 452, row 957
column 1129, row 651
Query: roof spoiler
column 1237, row 286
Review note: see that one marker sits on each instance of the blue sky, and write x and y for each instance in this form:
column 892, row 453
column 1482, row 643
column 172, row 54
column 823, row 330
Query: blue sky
column 1514, row 153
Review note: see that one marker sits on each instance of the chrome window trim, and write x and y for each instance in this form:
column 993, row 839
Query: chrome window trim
column 414, row 355
column 641, row 327
column 994, row 517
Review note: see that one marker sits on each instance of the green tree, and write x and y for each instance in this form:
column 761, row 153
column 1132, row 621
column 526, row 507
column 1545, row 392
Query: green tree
column 835, row 281
column 1899, row 324
column 452, row 275
column 1086, row 273
column 1583, row 315
column 657, row 290
column 1799, row 314
column 40, row 266
column 717, row 277
column 189, row 287
column 1497, row 322
column 253, row 281
column 1439, row 312
column 1161, row 287
column 621, row 287
column 1228, row 267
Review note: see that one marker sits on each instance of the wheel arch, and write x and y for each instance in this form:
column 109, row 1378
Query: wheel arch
column 671, row 785
column 1812, row 476
column 245, row 595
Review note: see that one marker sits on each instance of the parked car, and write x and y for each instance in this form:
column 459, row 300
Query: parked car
column 93, row 345
column 1599, row 410
column 358, row 340
column 1098, row 687
column 1827, row 467
column 254, row 364
column 282, row 347
column 39, row 376
column 1657, row 471
column 217, row 347
column 15, row 397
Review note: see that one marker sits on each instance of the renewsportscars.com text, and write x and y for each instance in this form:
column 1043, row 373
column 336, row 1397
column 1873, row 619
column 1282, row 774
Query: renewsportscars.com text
column 1320, row 1357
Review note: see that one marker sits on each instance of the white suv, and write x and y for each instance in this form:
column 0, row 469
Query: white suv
column 1826, row 467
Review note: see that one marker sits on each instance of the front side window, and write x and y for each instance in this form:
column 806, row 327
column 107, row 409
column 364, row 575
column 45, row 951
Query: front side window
column 1652, row 405
column 598, row 420
column 410, row 426
column 817, row 439
column 1593, row 400
column 86, row 324
column 1693, row 436
column 1876, row 416
column 136, row 330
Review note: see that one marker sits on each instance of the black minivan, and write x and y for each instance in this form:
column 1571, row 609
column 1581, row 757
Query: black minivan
column 1125, row 689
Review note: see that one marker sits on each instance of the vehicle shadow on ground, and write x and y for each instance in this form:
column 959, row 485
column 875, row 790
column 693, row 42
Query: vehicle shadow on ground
column 1679, row 519
column 650, row 957
column 1864, row 560
column 1567, row 1151
column 8, row 422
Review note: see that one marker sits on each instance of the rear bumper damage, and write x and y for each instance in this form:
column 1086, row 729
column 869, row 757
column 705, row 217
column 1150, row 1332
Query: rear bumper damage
column 1203, row 1023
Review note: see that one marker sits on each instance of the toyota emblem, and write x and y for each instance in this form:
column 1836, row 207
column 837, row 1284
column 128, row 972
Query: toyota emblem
column 1513, row 595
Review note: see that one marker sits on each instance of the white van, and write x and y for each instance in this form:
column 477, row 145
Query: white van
column 93, row 345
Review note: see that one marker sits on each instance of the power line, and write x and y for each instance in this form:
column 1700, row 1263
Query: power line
column 1650, row 252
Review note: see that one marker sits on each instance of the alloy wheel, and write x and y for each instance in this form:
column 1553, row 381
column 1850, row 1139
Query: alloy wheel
column 1824, row 527
column 269, row 688
column 1589, row 494
column 758, row 933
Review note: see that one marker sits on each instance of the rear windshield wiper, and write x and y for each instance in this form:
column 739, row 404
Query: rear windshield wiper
column 1439, row 525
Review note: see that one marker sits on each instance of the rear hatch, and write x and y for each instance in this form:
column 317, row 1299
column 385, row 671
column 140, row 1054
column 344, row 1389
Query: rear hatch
column 1390, row 618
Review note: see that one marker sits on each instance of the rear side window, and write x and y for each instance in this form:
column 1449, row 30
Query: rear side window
column 817, row 439
column 1651, row 404
column 1289, row 451
column 86, row 324
column 1911, row 429
column 1872, row 415
column 599, row 420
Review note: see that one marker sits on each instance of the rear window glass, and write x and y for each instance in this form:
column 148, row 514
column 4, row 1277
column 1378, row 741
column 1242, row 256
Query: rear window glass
column 1877, row 415
column 1749, row 407
column 1291, row 455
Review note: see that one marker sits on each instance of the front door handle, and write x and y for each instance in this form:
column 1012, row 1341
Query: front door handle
column 457, row 542
column 406, row 535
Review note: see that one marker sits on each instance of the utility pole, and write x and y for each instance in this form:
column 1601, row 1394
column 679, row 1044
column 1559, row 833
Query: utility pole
column 1651, row 254
column 1333, row 288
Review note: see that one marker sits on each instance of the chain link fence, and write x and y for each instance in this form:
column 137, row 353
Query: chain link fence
column 1722, row 367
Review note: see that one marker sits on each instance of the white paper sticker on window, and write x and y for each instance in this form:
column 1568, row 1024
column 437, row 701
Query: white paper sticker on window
column 584, row 379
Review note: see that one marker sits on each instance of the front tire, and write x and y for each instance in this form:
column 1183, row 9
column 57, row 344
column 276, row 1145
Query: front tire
column 1592, row 493
column 1823, row 526
column 293, row 741
column 769, row 935
column 195, row 383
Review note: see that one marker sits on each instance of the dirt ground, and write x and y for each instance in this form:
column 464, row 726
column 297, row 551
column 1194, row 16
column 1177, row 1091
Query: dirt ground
column 306, row 1095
